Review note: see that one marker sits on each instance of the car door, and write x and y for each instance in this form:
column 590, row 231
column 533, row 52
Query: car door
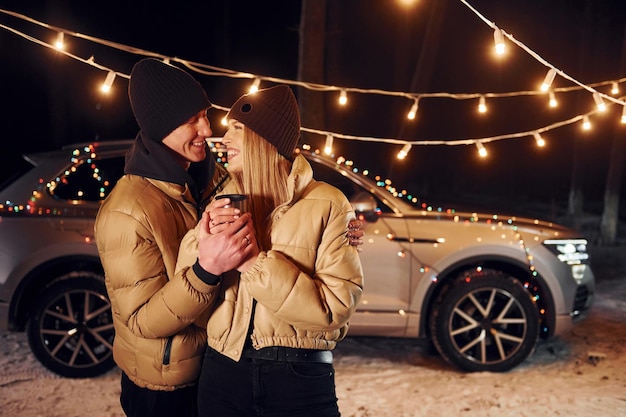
column 386, row 261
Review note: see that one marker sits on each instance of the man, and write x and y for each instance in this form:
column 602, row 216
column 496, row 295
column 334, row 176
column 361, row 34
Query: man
column 168, row 181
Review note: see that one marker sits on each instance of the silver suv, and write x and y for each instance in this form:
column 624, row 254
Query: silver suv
column 484, row 289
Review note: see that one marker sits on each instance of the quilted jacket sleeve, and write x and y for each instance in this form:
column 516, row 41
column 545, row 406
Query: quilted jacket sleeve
column 311, row 278
column 138, row 258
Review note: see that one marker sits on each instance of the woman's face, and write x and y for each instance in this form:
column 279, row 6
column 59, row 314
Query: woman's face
column 233, row 139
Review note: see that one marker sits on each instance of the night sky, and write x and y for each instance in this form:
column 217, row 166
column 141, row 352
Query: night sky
column 433, row 46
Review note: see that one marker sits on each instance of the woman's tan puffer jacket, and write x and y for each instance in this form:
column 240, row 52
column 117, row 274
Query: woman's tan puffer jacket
column 306, row 287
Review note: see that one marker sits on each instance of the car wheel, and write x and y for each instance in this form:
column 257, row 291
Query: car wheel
column 71, row 332
column 487, row 321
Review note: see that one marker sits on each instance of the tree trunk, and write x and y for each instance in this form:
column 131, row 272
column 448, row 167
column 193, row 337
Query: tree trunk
column 575, row 201
column 311, row 64
column 610, row 214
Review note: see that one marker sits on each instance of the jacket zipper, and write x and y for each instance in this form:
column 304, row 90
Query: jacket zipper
column 168, row 350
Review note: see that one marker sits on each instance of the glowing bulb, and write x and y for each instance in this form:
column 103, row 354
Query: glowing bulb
column 255, row 86
column 599, row 102
column 586, row 123
column 404, row 151
column 328, row 147
column 59, row 44
column 540, row 141
column 547, row 82
column 624, row 114
column 343, row 98
column 482, row 152
column 498, row 38
column 615, row 88
column 224, row 121
column 553, row 102
column 108, row 82
column 482, row 106
column 413, row 112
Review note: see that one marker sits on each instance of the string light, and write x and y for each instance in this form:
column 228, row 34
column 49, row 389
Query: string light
column 59, row 43
column 215, row 71
column 539, row 140
column 599, row 102
column 547, row 82
column 343, row 98
column 328, row 147
column 553, row 102
column 482, row 106
column 482, row 152
column 413, row 112
column 586, row 123
column 498, row 38
column 615, row 88
column 108, row 82
column 624, row 114
column 404, row 151
column 255, row 86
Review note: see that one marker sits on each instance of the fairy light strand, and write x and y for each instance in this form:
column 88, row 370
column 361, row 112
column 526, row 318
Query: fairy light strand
column 209, row 70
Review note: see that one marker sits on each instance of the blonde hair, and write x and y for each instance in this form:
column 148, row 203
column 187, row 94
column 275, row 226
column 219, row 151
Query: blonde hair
column 264, row 180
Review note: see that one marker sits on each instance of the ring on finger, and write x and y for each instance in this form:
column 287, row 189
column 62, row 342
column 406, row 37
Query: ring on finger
column 247, row 240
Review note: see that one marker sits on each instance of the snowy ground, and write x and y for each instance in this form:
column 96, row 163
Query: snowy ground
column 579, row 375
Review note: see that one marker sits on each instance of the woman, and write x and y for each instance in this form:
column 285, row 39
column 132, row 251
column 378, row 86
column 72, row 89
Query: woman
column 283, row 309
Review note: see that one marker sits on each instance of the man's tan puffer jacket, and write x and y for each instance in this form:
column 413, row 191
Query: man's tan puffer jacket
column 138, row 232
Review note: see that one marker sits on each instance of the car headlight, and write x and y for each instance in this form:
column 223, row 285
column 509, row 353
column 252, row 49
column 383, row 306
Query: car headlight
column 572, row 252
column 569, row 251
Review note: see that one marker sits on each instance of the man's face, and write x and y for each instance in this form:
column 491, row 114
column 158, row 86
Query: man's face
column 188, row 141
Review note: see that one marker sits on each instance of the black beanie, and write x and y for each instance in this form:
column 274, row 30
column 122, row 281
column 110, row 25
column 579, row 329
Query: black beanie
column 163, row 97
column 273, row 114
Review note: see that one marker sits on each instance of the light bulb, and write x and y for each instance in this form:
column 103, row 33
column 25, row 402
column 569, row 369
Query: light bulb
column 624, row 114
column 255, row 86
column 59, row 43
column 599, row 101
column 615, row 88
column 328, row 147
column 586, row 123
column 547, row 82
column 343, row 98
column 413, row 112
column 482, row 106
column 498, row 38
column 539, row 140
column 482, row 152
column 404, row 151
column 553, row 102
column 108, row 82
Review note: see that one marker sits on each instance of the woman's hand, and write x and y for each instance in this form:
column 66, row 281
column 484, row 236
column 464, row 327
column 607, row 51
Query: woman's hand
column 228, row 248
column 355, row 234
column 220, row 216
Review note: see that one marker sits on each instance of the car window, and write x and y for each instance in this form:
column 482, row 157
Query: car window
column 344, row 183
column 17, row 168
column 90, row 181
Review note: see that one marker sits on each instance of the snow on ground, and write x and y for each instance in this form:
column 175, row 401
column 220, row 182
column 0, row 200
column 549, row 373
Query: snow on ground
column 578, row 375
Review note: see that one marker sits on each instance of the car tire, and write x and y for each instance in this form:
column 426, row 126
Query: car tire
column 487, row 321
column 71, row 331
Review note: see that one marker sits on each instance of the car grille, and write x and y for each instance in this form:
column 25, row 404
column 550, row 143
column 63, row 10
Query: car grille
column 581, row 300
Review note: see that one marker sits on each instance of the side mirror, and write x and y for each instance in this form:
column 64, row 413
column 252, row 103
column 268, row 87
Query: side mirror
column 365, row 206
